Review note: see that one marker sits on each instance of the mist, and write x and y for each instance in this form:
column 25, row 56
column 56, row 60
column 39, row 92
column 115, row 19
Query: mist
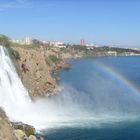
column 104, row 98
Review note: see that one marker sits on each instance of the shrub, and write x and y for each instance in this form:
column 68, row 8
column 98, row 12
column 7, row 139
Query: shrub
column 55, row 59
column 13, row 53
column 4, row 41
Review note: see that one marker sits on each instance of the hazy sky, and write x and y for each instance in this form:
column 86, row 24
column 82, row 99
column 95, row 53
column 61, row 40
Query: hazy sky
column 114, row 22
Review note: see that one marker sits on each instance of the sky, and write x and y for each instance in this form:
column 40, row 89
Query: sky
column 106, row 22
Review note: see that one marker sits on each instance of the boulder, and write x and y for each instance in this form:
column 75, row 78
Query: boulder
column 32, row 137
column 20, row 135
column 6, row 129
column 27, row 129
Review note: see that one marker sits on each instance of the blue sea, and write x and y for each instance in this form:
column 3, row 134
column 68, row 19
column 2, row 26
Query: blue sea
column 106, row 89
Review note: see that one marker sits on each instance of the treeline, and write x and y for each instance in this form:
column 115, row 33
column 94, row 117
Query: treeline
column 117, row 49
column 104, row 49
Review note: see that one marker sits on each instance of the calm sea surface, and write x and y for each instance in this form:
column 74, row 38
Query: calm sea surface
column 104, row 87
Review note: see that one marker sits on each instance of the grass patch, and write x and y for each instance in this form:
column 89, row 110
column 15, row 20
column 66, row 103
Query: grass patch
column 54, row 59
column 1, row 122
column 31, row 46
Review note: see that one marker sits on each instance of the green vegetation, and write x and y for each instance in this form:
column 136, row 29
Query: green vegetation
column 31, row 46
column 52, row 59
column 13, row 54
column 79, row 47
column 64, row 50
column 1, row 122
column 4, row 41
column 55, row 59
column 25, row 128
column 103, row 51
column 29, row 131
column 48, row 61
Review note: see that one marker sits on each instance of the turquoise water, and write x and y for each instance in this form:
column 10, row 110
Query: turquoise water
column 98, row 93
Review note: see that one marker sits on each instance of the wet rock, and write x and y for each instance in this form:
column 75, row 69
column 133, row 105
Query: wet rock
column 27, row 129
column 20, row 135
column 6, row 129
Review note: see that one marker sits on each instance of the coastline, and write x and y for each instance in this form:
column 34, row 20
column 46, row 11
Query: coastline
column 34, row 66
column 38, row 66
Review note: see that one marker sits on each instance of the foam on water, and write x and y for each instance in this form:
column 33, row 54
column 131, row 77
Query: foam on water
column 68, row 108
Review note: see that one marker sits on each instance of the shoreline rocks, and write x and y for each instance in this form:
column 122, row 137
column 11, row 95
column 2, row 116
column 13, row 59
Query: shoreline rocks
column 27, row 129
column 25, row 132
column 38, row 68
column 16, row 131
column 6, row 128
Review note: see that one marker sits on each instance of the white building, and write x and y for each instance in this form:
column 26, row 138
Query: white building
column 45, row 42
column 58, row 44
column 26, row 41
column 112, row 53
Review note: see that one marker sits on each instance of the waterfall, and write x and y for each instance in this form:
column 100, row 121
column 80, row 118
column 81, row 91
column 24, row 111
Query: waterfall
column 70, row 107
column 14, row 98
column 12, row 91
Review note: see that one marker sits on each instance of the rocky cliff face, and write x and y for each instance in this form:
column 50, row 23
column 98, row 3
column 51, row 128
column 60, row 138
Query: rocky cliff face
column 6, row 129
column 34, row 71
column 37, row 64
column 16, row 131
column 35, row 67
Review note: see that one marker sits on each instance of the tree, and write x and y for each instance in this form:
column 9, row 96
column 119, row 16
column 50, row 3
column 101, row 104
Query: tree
column 4, row 41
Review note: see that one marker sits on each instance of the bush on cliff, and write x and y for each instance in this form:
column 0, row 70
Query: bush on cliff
column 55, row 59
column 13, row 53
column 4, row 41
column 27, row 129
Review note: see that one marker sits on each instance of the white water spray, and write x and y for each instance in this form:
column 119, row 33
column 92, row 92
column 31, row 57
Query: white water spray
column 14, row 98
column 68, row 108
column 12, row 92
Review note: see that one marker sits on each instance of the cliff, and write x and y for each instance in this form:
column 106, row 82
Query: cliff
column 16, row 131
column 34, row 71
column 36, row 66
column 6, row 129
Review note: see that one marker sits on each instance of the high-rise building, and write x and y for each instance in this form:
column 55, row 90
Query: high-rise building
column 28, row 40
column 82, row 42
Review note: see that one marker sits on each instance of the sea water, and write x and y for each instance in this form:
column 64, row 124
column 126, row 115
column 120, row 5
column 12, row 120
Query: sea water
column 108, row 89
column 100, row 100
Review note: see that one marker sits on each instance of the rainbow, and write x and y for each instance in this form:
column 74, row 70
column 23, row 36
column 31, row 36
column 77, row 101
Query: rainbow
column 114, row 73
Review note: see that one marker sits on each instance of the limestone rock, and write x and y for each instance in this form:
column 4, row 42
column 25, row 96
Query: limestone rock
column 27, row 129
column 20, row 135
column 6, row 129
column 32, row 137
column 35, row 73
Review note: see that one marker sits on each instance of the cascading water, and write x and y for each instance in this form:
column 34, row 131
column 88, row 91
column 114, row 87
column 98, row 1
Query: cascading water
column 12, row 92
column 71, row 107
